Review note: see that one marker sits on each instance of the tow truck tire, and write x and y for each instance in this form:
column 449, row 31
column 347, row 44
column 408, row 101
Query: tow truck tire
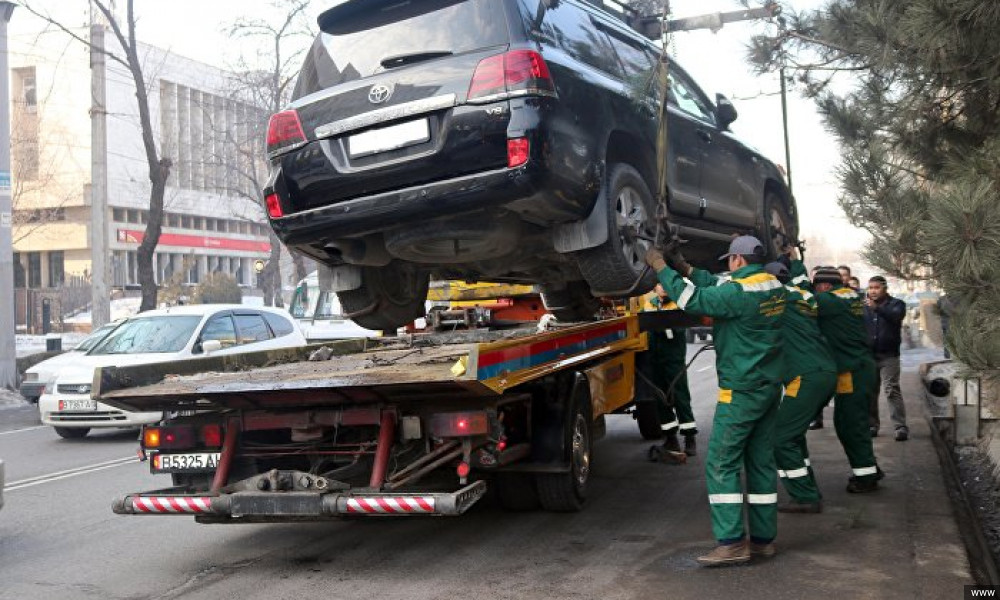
column 567, row 492
column 612, row 268
column 390, row 297
column 516, row 491
column 648, row 420
column 72, row 433
column 571, row 303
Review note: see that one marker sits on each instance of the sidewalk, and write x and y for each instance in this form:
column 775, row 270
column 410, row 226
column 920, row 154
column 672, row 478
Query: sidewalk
column 901, row 542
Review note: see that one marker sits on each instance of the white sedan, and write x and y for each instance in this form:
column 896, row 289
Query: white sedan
column 165, row 335
column 38, row 376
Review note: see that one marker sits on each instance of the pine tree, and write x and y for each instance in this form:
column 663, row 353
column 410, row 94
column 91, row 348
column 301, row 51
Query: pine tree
column 912, row 92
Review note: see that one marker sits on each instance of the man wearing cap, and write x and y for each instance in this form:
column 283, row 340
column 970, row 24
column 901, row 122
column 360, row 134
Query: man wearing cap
column 841, row 320
column 810, row 380
column 746, row 309
column 666, row 361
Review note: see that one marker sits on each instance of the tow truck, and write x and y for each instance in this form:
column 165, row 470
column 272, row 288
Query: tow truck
column 417, row 424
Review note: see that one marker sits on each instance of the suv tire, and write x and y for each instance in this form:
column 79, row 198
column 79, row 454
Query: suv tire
column 389, row 297
column 778, row 226
column 571, row 303
column 614, row 267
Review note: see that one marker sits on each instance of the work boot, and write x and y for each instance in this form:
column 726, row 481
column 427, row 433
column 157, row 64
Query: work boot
column 726, row 554
column 902, row 434
column 873, row 431
column 862, row 486
column 801, row 507
column 690, row 446
column 671, row 443
column 816, row 424
column 763, row 550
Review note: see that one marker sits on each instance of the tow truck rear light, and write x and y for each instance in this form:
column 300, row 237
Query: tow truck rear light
column 274, row 209
column 179, row 437
column 517, row 152
column 459, row 424
column 515, row 73
column 284, row 132
column 211, row 435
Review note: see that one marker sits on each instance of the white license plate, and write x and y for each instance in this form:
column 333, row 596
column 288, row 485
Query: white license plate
column 389, row 138
column 174, row 463
column 83, row 404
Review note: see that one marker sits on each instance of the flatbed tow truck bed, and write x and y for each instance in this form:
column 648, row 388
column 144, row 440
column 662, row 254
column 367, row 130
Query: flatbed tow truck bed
column 394, row 426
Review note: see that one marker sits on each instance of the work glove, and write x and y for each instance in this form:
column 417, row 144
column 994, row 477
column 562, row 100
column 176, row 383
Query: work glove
column 654, row 258
column 678, row 262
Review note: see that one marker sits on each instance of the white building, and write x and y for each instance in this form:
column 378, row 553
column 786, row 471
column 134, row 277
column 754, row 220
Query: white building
column 210, row 223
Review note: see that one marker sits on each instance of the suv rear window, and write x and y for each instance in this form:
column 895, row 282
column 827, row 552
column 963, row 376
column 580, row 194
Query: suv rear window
column 362, row 37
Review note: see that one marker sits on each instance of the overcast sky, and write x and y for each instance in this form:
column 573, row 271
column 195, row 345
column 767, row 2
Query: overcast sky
column 195, row 28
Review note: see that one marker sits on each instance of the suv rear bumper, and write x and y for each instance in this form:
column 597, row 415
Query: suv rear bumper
column 372, row 214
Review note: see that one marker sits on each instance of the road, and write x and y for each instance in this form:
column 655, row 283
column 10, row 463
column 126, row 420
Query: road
column 638, row 537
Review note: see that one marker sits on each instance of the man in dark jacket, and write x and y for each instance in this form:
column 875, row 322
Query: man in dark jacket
column 884, row 319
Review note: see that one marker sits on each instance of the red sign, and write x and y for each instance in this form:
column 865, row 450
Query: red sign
column 131, row 236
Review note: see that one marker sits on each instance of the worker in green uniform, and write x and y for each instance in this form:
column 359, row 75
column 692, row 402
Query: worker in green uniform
column 746, row 310
column 667, row 356
column 810, row 379
column 841, row 320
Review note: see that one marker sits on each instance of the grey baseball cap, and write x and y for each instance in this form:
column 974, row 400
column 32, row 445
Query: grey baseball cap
column 777, row 269
column 745, row 245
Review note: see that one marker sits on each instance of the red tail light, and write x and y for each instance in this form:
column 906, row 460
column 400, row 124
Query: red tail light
column 459, row 424
column 284, row 131
column 515, row 73
column 179, row 437
column 211, row 435
column 274, row 209
column 517, row 152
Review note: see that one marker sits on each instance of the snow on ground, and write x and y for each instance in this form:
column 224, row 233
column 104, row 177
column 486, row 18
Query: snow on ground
column 9, row 399
column 26, row 345
column 120, row 308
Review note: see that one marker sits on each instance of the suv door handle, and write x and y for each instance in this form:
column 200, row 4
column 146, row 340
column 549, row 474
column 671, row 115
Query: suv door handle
column 704, row 135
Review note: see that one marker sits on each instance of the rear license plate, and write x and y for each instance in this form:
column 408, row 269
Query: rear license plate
column 184, row 463
column 389, row 138
column 83, row 404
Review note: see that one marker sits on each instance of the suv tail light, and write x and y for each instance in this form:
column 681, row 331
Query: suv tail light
column 517, row 152
column 284, row 132
column 514, row 73
column 274, row 209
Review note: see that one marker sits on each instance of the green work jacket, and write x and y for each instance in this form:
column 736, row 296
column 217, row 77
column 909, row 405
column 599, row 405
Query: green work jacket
column 841, row 319
column 806, row 349
column 746, row 310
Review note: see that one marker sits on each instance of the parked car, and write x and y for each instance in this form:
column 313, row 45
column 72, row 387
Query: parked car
column 38, row 376
column 169, row 334
column 502, row 140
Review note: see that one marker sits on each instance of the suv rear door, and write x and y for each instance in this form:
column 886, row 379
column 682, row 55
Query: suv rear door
column 380, row 98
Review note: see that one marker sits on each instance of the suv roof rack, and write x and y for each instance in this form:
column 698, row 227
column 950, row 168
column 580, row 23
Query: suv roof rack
column 616, row 8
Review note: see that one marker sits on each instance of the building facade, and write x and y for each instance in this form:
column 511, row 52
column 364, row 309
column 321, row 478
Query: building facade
column 212, row 222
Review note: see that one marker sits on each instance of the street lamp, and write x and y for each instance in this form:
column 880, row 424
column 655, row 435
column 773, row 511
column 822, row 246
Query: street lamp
column 8, row 352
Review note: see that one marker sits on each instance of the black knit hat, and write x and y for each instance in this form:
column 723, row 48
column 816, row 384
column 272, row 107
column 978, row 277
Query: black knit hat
column 827, row 275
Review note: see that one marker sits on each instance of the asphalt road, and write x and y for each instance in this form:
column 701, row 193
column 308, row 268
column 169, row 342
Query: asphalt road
column 638, row 537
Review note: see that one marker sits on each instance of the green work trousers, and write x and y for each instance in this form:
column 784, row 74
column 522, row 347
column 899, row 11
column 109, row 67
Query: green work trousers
column 850, row 418
column 804, row 396
column 668, row 371
column 743, row 439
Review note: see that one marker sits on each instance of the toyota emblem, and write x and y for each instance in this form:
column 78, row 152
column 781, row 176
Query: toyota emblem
column 379, row 93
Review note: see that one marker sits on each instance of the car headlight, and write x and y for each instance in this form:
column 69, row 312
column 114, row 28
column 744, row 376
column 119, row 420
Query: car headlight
column 31, row 376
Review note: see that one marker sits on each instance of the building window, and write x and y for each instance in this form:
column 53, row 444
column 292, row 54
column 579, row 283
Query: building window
column 26, row 89
column 185, row 221
column 132, row 216
column 56, row 273
column 198, row 223
column 118, row 215
column 18, row 271
column 34, row 269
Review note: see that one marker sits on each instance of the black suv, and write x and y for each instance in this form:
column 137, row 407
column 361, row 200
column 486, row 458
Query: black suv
column 501, row 140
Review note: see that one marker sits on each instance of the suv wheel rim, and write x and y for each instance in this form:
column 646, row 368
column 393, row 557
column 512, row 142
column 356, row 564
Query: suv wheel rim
column 630, row 220
column 778, row 229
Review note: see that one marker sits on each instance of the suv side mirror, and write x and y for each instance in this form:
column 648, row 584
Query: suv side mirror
column 210, row 346
column 725, row 112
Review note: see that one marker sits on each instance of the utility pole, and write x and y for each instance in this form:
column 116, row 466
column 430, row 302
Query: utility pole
column 784, row 124
column 100, row 292
column 8, row 348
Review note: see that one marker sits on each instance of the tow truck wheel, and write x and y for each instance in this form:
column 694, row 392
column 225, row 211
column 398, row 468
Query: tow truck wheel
column 648, row 420
column 389, row 297
column 566, row 492
column 72, row 433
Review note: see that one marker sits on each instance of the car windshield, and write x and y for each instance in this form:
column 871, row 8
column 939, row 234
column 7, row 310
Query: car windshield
column 168, row 333
column 364, row 37
column 94, row 338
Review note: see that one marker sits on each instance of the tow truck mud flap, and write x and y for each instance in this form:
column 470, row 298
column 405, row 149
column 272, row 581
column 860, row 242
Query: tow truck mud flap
column 270, row 506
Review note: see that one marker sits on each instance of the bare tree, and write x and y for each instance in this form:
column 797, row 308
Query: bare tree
column 158, row 166
column 263, row 83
